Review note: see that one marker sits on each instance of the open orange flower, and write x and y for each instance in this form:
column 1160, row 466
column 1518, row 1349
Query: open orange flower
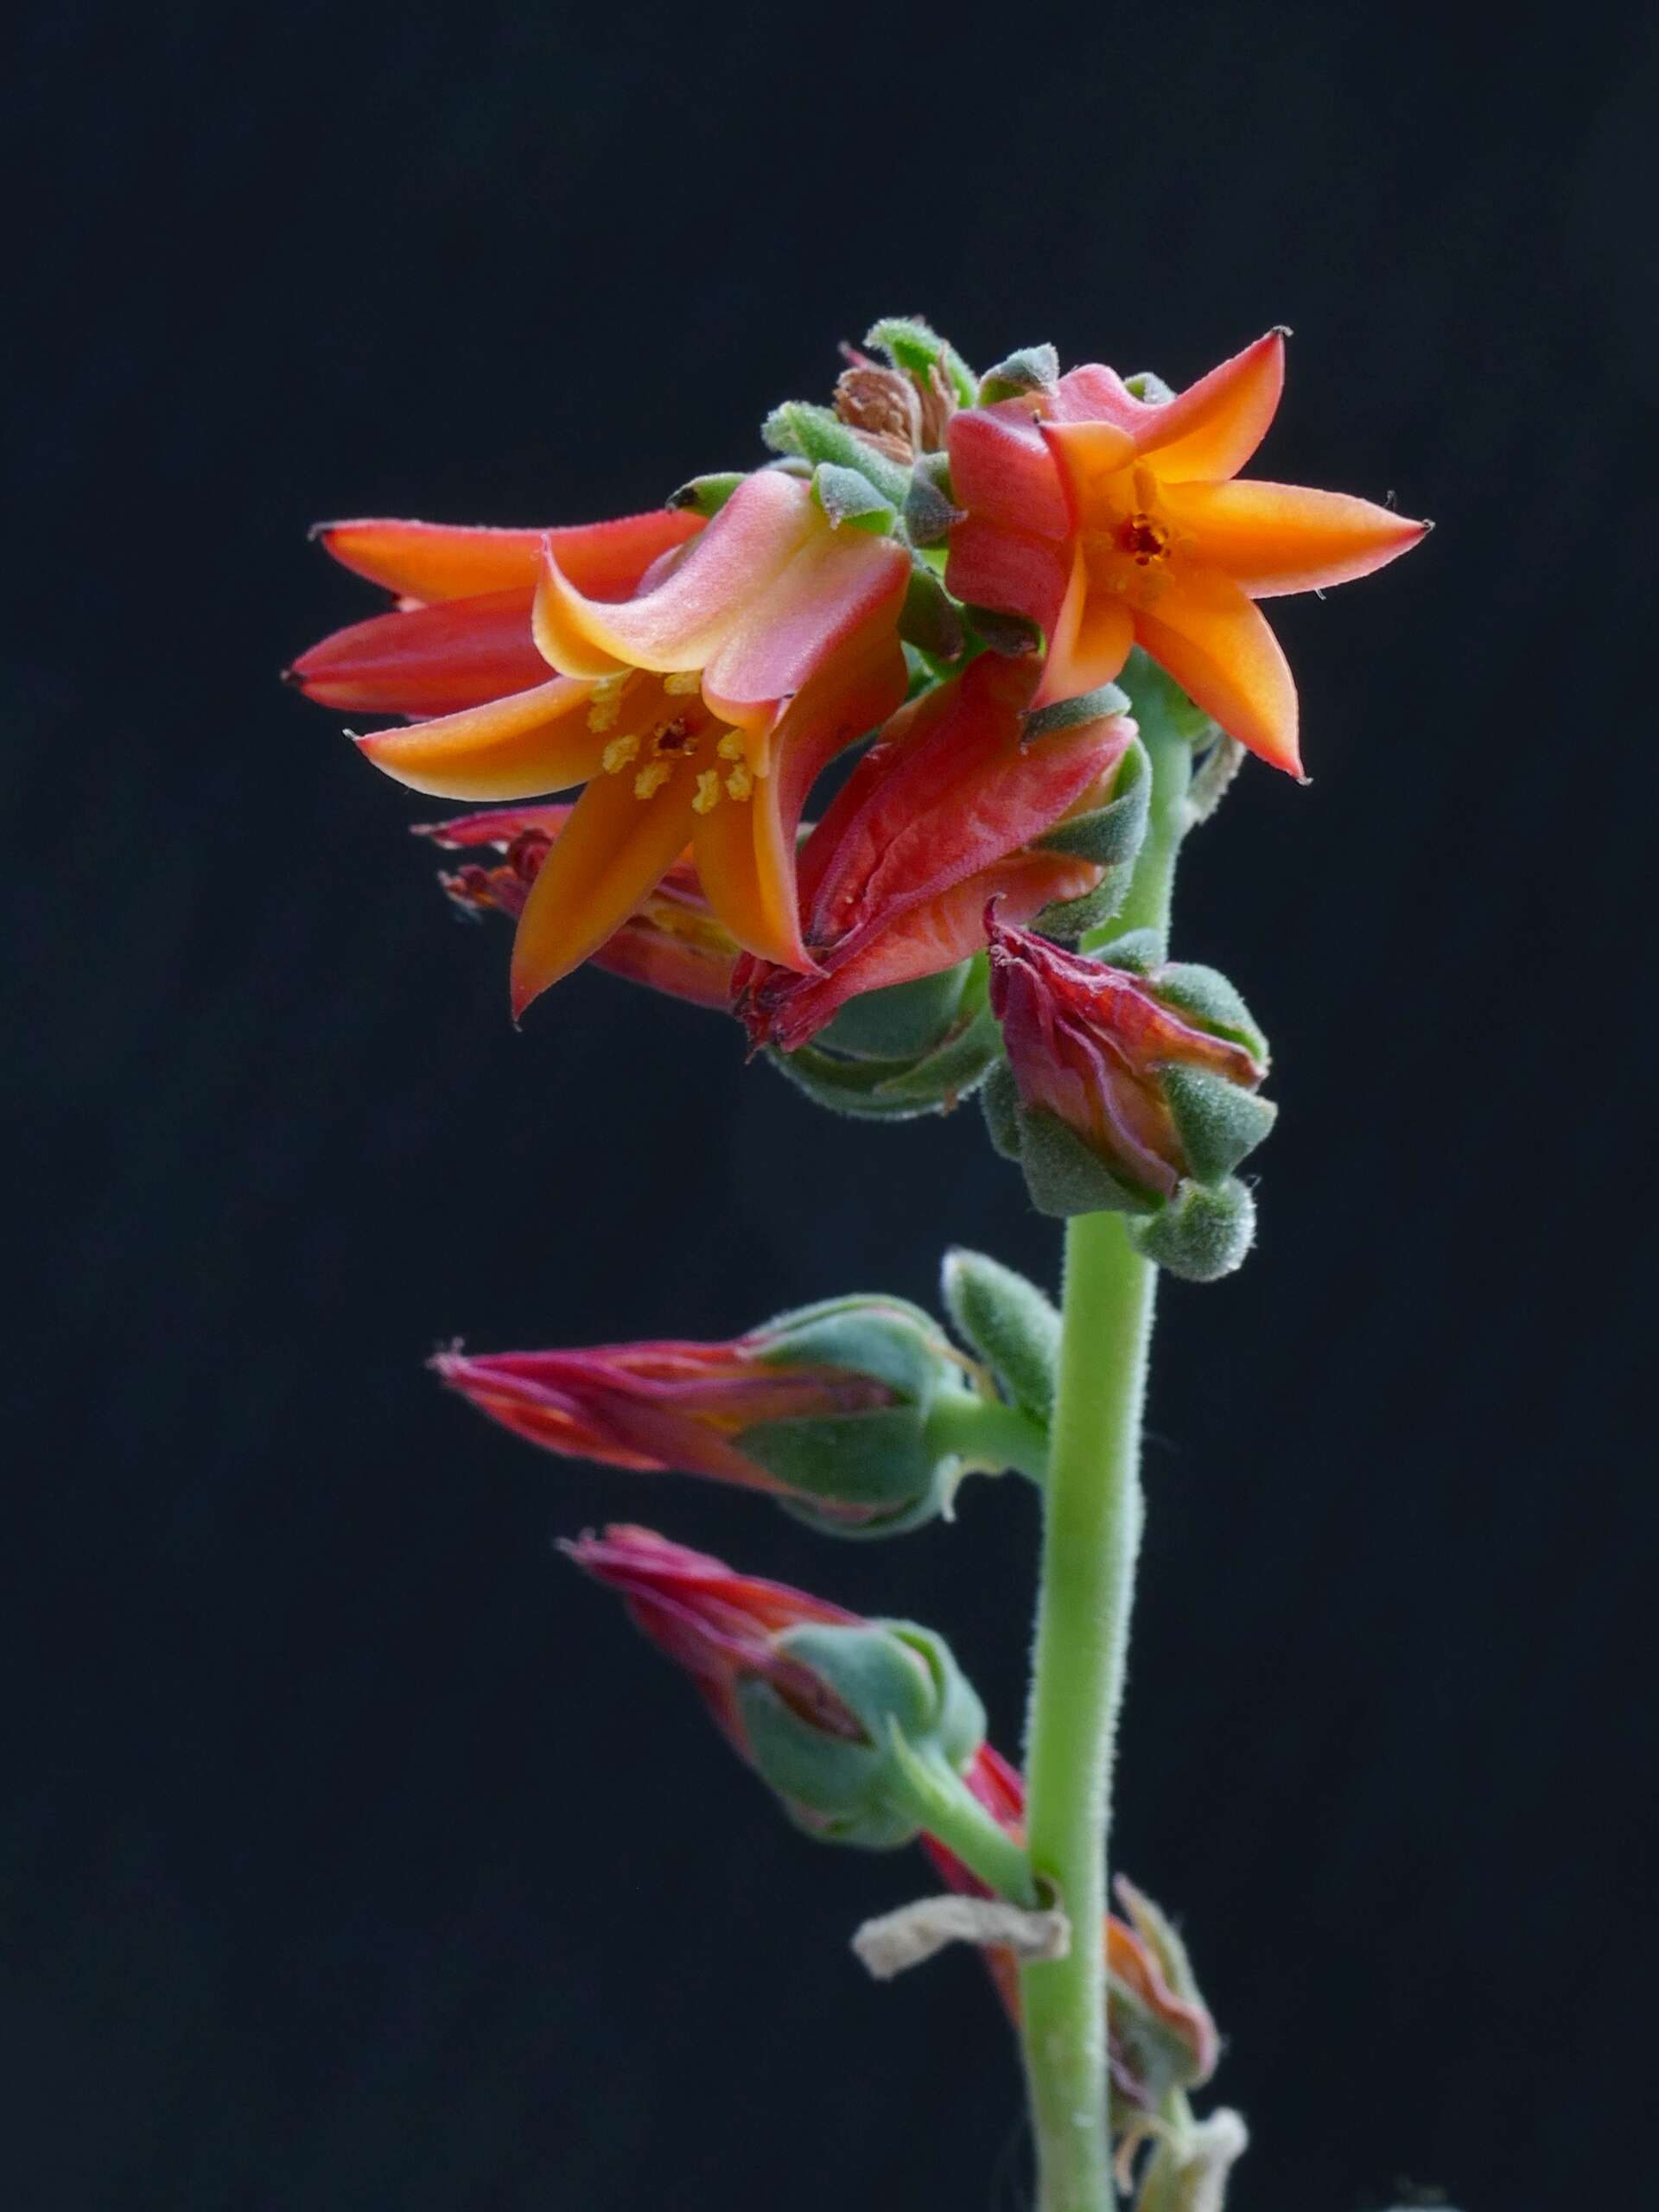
column 1112, row 521
column 698, row 711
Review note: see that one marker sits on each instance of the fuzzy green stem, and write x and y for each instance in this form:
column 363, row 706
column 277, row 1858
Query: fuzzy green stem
column 1091, row 1531
column 986, row 1434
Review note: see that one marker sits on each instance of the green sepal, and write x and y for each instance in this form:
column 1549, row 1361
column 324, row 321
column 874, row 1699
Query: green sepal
column 1010, row 1324
column 899, row 1087
column 1203, row 1233
column 1110, row 836
column 888, row 1338
column 890, row 1675
column 877, row 1462
column 915, row 347
column 851, row 501
column 901, row 1020
column 1147, row 384
column 706, row 495
column 1206, row 994
column 1219, row 1123
column 930, row 505
column 1014, row 635
column 1029, row 368
column 1161, row 706
column 1138, row 951
column 999, row 1099
column 1070, row 713
column 929, row 619
column 1063, row 1176
column 818, row 434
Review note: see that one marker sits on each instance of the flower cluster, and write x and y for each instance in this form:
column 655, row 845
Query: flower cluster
column 1031, row 599
column 958, row 568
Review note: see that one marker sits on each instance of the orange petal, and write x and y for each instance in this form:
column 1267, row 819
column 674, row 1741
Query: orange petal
column 1210, row 429
column 432, row 560
column 747, row 867
column 1092, row 635
column 613, row 852
column 681, row 622
column 1216, row 644
column 537, row 741
column 1280, row 538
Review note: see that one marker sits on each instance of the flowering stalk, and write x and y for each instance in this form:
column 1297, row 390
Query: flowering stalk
column 1092, row 1538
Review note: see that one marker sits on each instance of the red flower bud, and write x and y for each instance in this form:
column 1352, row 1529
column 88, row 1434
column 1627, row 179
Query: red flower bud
column 1095, row 1046
column 827, row 1408
column 676, row 943
column 947, row 809
column 721, row 1626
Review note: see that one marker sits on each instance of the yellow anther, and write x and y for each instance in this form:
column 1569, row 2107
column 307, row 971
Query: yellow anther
column 618, row 753
column 649, row 781
column 707, row 798
column 731, row 746
column 604, row 714
column 682, row 681
column 739, row 783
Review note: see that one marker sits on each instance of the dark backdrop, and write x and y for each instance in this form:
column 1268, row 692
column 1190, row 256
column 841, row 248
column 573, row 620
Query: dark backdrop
column 357, row 1855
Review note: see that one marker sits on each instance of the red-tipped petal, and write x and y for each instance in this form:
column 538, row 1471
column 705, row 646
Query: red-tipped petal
column 434, row 660
column 1213, row 640
column 837, row 585
column 1274, row 538
column 436, row 561
column 536, row 741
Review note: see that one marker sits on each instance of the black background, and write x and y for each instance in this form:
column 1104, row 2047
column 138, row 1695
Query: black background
column 356, row 1854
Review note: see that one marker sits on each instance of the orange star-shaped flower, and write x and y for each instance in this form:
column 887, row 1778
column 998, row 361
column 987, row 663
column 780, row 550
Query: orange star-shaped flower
column 1111, row 520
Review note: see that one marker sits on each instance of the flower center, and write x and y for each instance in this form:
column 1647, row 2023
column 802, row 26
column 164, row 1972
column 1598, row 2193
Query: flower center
column 662, row 726
column 1128, row 546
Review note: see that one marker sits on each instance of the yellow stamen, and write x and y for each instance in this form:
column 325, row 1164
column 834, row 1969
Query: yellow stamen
column 739, row 783
column 649, row 781
column 707, row 798
column 618, row 753
column 731, row 746
column 682, row 681
column 606, row 704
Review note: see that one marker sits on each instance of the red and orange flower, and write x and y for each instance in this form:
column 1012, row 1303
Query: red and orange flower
column 1110, row 520
column 698, row 711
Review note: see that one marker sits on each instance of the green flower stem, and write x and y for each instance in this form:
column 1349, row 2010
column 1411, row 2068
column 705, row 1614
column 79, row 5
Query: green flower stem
column 937, row 1798
column 1091, row 1532
column 986, row 1434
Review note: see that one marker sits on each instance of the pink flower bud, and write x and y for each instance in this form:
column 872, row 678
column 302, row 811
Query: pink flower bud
column 946, row 810
column 1095, row 1046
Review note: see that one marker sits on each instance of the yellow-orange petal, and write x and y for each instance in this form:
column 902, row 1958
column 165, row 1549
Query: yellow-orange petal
column 1210, row 430
column 747, row 868
column 611, row 856
column 1090, row 641
column 436, row 561
column 517, row 748
column 681, row 622
column 1274, row 538
column 1216, row 643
